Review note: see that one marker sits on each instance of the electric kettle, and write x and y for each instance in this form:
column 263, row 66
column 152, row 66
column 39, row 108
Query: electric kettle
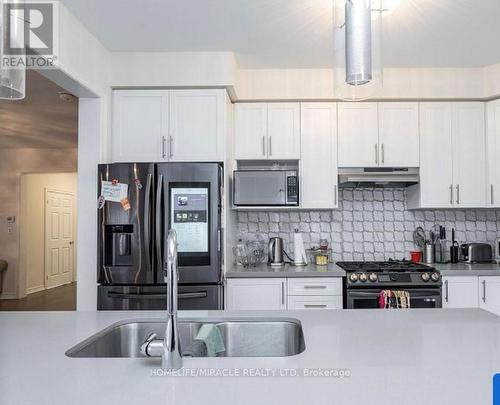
column 275, row 252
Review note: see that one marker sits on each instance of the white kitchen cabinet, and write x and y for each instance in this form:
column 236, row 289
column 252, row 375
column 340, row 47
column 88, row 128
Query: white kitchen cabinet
column 489, row 294
column 452, row 157
column 312, row 286
column 358, row 135
column 314, row 302
column 460, row 292
column 250, row 131
column 196, row 125
column 493, row 157
column 318, row 164
column 168, row 125
column 140, row 125
column 469, row 154
column 267, row 131
column 398, row 134
column 255, row 293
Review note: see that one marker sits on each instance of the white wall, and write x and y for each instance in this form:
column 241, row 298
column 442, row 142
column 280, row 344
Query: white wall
column 32, row 255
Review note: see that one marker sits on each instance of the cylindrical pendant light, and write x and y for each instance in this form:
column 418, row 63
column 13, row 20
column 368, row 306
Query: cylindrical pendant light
column 12, row 77
column 357, row 47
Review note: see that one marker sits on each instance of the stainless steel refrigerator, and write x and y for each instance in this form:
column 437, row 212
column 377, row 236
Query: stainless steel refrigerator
column 137, row 204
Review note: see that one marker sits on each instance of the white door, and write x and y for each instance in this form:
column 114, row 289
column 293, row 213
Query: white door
column 255, row 294
column 358, row 135
column 469, row 154
column 196, row 125
column 140, row 125
column 399, row 134
column 250, row 131
column 283, row 130
column 318, row 165
column 59, row 242
column 436, row 156
column 493, row 148
column 489, row 294
column 460, row 292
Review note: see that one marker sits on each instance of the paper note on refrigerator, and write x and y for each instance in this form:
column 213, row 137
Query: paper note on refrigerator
column 112, row 191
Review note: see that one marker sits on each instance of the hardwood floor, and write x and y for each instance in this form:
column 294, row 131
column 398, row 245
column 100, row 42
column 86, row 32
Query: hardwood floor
column 61, row 298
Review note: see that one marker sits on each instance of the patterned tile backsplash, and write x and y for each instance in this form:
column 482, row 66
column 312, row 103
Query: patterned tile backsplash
column 370, row 224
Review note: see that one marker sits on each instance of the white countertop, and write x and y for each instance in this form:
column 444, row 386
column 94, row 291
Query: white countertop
column 411, row 357
column 467, row 269
column 288, row 271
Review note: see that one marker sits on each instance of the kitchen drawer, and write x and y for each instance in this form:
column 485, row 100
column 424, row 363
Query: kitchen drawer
column 315, row 286
column 314, row 302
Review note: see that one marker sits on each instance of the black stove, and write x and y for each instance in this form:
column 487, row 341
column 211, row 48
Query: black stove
column 365, row 280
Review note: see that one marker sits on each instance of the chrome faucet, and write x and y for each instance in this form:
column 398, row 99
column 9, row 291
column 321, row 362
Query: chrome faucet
column 170, row 346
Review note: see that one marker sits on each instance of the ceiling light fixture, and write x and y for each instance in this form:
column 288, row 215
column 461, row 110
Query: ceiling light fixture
column 357, row 46
column 12, row 78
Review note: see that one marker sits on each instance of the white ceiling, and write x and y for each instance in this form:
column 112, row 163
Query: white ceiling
column 42, row 120
column 294, row 33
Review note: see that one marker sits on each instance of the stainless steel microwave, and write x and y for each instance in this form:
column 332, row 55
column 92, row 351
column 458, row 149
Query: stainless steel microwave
column 265, row 188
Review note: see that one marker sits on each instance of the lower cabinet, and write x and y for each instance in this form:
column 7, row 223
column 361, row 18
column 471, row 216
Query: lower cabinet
column 460, row 292
column 489, row 294
column 282, row 293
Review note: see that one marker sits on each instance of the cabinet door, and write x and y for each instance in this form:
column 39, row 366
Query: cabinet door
column 252, row 294
column 358, row 135
column 196, row 125
column 493, row 148
column 489, row 294
column 469, row 154
column 436, row 155
column 399, row 134
column 140, row 125
column 318, row 164
column 250, row 131
column 460, row 292
column 283, row 130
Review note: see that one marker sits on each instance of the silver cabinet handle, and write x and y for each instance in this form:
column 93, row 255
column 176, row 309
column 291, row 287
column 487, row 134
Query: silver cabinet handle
column 446, row 290
column 270, row 146
column 376, row 153
column 171, row 146
column 263, row 146
column 484, row 290
column 314, row 305
column 282, row 293
column 492, row 195
column 451, row 194
column 458, row 193
column 314, row 287
column 163, row 147
column 383, row 153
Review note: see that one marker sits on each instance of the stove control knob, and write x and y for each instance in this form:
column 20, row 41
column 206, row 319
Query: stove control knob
column 373, row 277
column 363, row 277
column 353, row 277
column 435, row 276
column 426, row 277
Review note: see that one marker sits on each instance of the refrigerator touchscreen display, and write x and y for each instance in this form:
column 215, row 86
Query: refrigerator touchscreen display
column 189, row 217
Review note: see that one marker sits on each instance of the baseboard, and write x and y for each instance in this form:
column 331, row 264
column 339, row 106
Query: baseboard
column 8, row 296
column 32, row 290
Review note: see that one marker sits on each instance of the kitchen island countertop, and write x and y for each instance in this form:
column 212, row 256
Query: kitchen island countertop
column 444, row 356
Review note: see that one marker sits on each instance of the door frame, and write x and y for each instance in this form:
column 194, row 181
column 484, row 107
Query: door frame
column 73, row 259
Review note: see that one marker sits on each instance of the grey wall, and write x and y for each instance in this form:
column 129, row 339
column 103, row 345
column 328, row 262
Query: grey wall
column 371, row 224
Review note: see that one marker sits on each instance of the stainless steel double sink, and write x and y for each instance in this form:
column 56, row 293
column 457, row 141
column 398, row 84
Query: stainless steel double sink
column 242, row 337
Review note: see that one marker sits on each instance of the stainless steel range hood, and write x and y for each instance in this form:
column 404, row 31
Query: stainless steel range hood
column 378, row 177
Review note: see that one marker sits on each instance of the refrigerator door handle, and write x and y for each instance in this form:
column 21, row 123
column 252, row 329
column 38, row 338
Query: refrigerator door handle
column 127, row 296
column 147, row 219
column 159, row 253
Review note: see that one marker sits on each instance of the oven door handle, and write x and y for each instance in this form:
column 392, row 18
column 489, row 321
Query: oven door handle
column 413, row 294
column 128, row 296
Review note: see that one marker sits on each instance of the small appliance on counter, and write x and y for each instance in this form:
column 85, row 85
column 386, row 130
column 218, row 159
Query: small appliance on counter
column 276, row 256
column 477, row 252
column 454, row 248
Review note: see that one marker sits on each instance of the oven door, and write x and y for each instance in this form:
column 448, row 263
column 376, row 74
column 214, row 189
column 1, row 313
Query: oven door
column 368, row 298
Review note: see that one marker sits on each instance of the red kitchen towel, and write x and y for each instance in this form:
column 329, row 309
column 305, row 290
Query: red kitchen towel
column 388, row 299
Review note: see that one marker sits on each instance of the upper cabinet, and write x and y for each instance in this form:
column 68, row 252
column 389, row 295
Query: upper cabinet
column 318, row 164
column 452, row 161
column 398, row 134
column 378, row 135
column 168, row 125
column 267, row 131
column 493, row 148
column 358, row 135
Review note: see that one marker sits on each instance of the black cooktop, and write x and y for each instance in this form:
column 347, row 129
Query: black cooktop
column 389, row 266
